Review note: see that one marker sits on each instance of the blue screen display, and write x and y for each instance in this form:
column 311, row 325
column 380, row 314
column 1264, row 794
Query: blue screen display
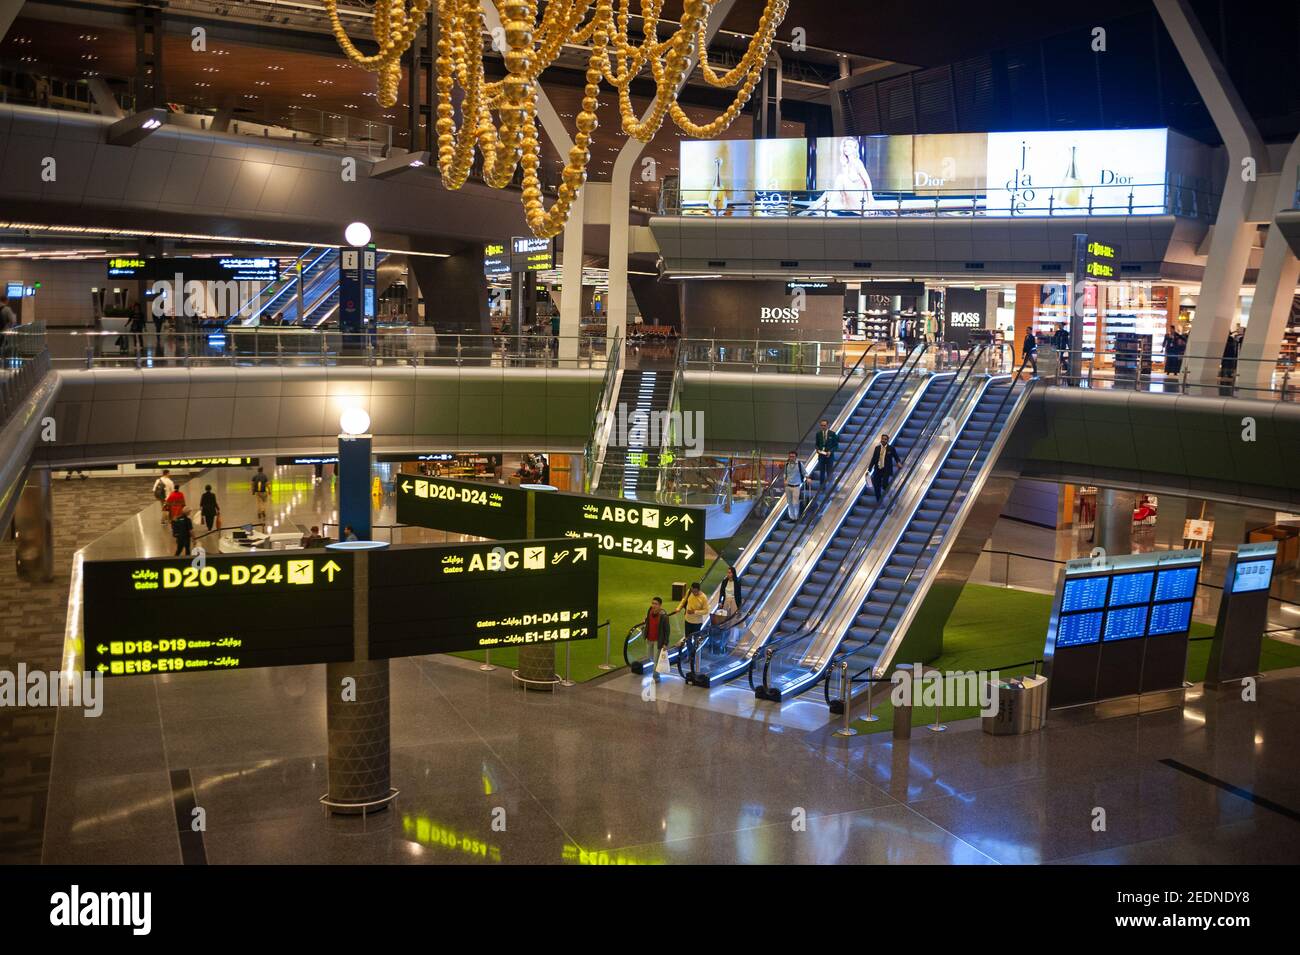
column 1086, row 593
column 1252, row 575
column 1126, row 623
column 1170, row 618
column 1077, row 629
column 1179, row 584
column 1131, row 588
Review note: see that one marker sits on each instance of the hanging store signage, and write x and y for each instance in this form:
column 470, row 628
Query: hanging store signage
column 454, row 597
column 126, row 267
column 465, row 507
column 963, row 313
column 227, row 612
column 660, row 533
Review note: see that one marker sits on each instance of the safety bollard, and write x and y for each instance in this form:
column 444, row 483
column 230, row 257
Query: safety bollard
column 903, row 713
column 846, row 729
column 606, row 665
column 936, row 726
column 567, row 681
column 487, row 661
column 871, row 717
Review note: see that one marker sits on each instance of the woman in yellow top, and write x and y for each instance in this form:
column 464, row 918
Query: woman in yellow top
column 696, row 606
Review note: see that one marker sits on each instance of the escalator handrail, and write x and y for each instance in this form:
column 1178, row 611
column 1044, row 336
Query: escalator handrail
column 811, row 512
column 288, row 284
column 961, row 377
column 975, row 454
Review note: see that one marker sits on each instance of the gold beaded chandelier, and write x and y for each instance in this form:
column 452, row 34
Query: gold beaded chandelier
column 500, row 118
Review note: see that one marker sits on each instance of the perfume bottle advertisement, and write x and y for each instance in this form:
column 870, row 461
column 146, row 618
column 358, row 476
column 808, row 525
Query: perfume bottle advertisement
column 1097, row 172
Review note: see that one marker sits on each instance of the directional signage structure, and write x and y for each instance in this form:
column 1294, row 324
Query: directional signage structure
column 466, row 507
column 453, row 597
column 221, row 612
column 661, row 533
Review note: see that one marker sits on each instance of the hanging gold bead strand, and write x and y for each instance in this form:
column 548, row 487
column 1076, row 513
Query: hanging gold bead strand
column 498, row 119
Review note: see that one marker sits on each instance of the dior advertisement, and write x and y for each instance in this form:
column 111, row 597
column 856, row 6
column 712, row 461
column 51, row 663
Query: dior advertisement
column 763, row 310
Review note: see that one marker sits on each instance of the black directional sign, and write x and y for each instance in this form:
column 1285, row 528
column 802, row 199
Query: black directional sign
column 224, row 612
column 465, row 507
column 481, row 596
column 660, row 533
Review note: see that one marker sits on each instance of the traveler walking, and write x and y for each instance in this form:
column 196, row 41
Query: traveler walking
column 696, row 607
column 261, row 485
column 794, row 478
column 658, row 634
column 208, row 508
column 881, row 469
column 175, row 503
column 183, row 531
column 1029, row 349
column 162, row 489
column 828, row 442
column 135, row 329
column 729, row 593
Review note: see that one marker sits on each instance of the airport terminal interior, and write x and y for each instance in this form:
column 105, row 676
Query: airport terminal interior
column 687, row 432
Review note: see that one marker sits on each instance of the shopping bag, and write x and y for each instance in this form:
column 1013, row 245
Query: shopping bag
column 662, row 666
column 217, row 524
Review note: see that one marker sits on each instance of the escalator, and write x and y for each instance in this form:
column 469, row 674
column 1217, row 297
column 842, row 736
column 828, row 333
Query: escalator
column 318, row 283
column 722, row 650
column 277, row 295
column 765, row 539
column 875, row 604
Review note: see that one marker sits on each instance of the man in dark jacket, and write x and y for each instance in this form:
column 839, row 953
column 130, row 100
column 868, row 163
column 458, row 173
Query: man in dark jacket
column 208, row 508
column 883, row 461
column 183, row 531
column 828, row 442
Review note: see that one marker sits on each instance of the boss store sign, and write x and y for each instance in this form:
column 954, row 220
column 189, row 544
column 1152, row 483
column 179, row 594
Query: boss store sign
column 964, row 312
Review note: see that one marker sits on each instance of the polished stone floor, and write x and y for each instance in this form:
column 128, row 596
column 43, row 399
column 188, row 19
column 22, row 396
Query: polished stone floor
column 619, row 771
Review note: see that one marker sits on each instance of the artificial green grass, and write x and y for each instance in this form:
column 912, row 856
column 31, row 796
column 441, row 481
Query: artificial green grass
column 626, row 587
column 992, row 627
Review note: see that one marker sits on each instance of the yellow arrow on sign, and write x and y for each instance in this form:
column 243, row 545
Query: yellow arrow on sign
column 329, row 568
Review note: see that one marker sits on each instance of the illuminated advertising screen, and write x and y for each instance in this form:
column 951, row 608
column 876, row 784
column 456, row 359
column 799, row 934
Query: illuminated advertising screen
column 232, row 612
column 453, row 597
column 659, row 533
column 717, row 175
column 466, row 507
column 1252, row 575
column 850, row 170
column 1094, row 172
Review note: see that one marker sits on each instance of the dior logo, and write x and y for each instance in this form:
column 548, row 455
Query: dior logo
column 783, row 316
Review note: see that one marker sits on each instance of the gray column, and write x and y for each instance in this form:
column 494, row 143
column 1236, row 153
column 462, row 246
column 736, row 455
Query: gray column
column 1114, row 520
column 34, row 524
column 536, row 662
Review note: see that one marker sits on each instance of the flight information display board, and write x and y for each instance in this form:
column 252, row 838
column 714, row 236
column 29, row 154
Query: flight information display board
column 661, row 533
column 226, row 612
column 451, row 597
column 1120, row 625
column 465, row 507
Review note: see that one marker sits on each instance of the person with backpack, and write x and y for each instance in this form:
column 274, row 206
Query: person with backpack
column 261, row 485
column 183, row 531
column 208, row 508
column 162, row 489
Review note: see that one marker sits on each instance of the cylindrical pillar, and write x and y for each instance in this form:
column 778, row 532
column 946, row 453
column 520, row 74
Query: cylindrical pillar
column 34, row 528
column 356, row 717
column 1114, row 521
column 536, row 669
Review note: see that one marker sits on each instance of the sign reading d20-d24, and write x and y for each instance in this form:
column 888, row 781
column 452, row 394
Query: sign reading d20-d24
column 663, row 533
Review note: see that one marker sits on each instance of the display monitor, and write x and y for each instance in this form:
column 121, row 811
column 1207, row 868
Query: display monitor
column 1252, row 575
column 1084, row 593
column 1077, row 629
column 1170, row 618
column 1126, row 623
column 1131, row 588
column 1178, row 583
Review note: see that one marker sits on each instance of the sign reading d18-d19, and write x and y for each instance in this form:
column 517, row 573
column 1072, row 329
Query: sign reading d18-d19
column 662, row 533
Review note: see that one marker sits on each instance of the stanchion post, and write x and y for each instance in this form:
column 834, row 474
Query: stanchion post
column 871, row 716
column 568, row 680
column 846, row 729
column 486, row 665
column 606, row 665
column 936, row 726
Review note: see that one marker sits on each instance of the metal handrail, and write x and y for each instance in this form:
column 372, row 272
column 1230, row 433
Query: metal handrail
column 984, row 436
column 812, row 511
column 961, row 378
column 613, row 363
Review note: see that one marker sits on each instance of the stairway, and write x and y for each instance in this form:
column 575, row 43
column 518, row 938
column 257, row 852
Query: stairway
column 631, row 459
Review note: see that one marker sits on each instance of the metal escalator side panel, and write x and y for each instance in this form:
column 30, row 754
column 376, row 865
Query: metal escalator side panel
column 867, row 571
column 949, row 561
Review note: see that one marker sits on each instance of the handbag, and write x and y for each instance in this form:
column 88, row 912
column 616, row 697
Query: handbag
column 217, row 525
column 661, row 666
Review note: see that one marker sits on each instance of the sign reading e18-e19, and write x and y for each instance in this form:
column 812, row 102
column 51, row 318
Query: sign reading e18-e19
column 226, row 612
column 481, row 596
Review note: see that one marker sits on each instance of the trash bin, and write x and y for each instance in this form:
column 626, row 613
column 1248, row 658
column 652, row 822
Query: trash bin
column 1022, row 706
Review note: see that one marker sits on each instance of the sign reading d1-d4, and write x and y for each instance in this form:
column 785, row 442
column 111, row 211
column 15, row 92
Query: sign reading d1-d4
column 662, row 533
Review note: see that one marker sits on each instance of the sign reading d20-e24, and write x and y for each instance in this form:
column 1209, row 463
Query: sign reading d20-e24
column 662, row 533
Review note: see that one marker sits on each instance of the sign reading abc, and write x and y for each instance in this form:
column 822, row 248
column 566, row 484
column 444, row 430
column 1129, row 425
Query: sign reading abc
column 231, row 612
column 452, row 597
column 465, row 507
column 661, row 533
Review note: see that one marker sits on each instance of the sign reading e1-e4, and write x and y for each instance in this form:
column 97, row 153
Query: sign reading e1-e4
column 226, row 612
column 661, row 533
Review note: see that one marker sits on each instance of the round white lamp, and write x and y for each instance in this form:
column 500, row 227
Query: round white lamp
column 354, row 421
column 357, row 234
